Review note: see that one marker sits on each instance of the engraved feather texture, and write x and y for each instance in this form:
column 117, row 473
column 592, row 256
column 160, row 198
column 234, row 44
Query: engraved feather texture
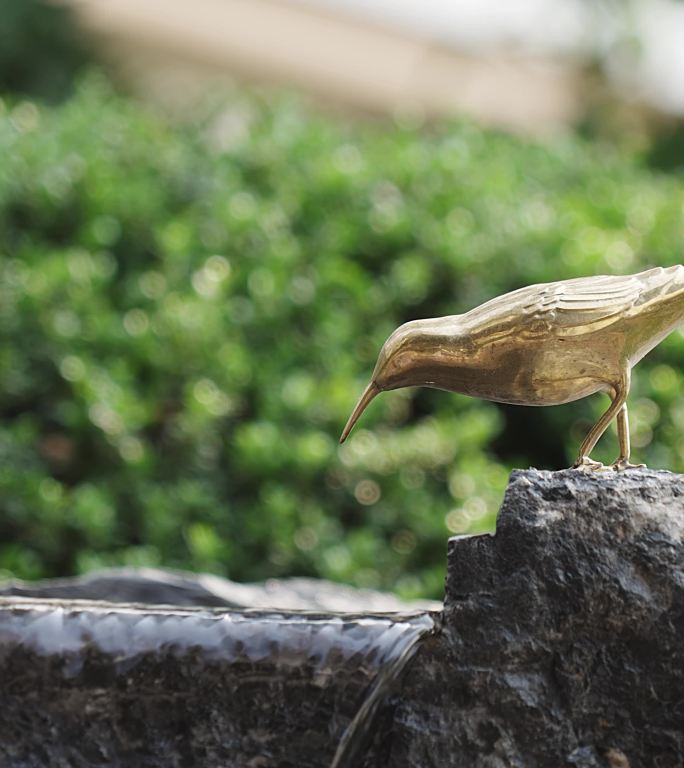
column 545, row 344
column 573, row 307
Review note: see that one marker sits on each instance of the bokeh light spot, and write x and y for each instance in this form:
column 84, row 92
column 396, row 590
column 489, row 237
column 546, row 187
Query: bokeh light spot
column 367, row 492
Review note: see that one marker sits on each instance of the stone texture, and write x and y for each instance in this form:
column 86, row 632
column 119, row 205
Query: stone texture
column 563, row 634
column 560, row 645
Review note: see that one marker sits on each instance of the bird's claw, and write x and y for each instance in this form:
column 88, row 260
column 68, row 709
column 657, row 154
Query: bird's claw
column 621, row 464
column 588, row 465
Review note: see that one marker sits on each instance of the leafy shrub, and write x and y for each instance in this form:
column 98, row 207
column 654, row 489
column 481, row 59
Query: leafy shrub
column 189, row 310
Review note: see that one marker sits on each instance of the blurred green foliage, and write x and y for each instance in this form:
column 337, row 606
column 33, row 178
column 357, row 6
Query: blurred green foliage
column 190, row 308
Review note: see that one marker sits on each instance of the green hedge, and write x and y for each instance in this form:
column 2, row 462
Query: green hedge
column 190, row 308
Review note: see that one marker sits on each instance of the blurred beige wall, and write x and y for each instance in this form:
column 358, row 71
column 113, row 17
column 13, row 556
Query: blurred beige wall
column 173, row 48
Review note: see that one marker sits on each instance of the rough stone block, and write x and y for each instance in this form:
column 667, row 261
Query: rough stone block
column 560, row 645
column 562, row 641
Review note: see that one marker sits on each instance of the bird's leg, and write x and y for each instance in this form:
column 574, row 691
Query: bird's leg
column 622, row 461
column 618, row 393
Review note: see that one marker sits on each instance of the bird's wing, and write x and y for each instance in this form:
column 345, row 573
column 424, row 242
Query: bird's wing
column 572, row 307
column 561, row 309
column 580, row 306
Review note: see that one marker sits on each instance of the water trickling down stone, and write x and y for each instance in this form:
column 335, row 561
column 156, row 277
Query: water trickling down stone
column 153, row 686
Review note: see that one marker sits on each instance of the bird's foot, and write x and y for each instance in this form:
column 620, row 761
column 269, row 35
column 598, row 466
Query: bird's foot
column 588, row 465
column 620, row 464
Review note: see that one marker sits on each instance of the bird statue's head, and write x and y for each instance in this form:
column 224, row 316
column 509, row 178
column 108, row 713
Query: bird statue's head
column 414, row 355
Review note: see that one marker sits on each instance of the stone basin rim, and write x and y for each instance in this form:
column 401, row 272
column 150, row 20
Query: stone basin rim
column 79, row 605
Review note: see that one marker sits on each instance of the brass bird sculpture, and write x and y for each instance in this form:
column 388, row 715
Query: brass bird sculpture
column 546, row 344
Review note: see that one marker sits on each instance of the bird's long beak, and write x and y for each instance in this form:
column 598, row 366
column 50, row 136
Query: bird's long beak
column 368, row 394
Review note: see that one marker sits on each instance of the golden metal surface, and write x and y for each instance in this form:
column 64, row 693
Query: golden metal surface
column 545, row 344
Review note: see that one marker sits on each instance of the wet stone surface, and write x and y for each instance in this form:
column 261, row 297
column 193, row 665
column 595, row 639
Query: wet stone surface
column 95, row 684
column 158, row 586
column 561, row 645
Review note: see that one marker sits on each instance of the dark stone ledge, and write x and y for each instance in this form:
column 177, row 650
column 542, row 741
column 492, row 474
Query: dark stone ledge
column 88, row 684
column 561, row 644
